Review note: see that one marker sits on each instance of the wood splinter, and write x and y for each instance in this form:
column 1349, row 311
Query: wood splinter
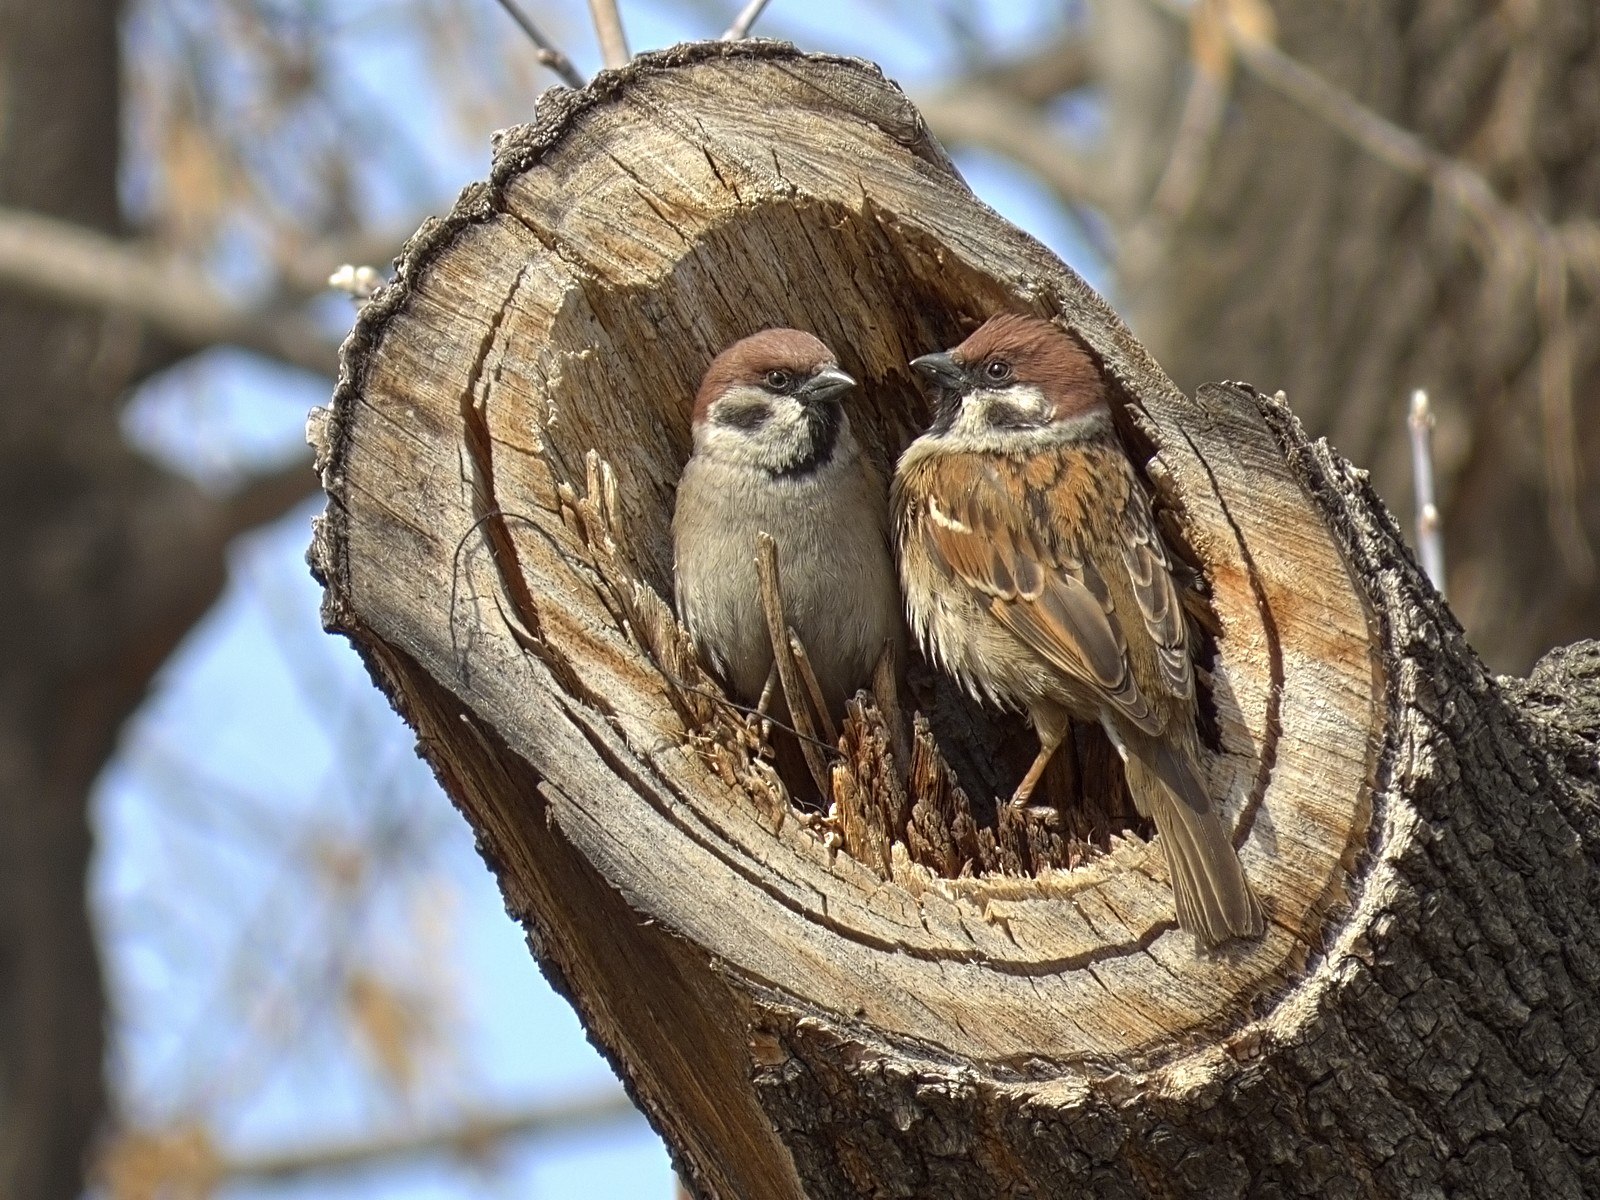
column 784, row 658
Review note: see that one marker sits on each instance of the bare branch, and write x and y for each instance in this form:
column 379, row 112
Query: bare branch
column 77, row 266
column 473, row 1136
column 546, row 51
column 746, row 18
column 1430, row 544
column 608, row 28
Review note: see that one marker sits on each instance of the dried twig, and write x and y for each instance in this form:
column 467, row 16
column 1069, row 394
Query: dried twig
column 1430, row 543
column 886, row 690
column 608, row 28
column 544, row 49
column 802, row 662
column 747, row 17
column 783, row 657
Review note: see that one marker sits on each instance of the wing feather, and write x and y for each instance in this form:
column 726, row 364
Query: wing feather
column 1150, row 572
column 1054, row 602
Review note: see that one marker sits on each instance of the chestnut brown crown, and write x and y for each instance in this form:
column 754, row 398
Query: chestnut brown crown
column 750, row 362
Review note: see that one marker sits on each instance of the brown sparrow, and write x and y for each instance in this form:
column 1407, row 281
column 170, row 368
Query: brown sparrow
column 773, row 452
column 1034, row 573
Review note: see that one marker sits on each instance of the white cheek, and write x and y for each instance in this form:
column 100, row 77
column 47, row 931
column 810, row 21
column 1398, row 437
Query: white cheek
column 1030, row 400
column 774, row 439
column 787, row 423
column 973, row 419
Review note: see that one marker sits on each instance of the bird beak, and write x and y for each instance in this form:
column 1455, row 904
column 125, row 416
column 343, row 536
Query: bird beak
column 941, row 369
column 825, row 385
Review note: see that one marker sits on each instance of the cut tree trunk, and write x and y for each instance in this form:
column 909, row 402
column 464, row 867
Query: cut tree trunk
column 919, row 994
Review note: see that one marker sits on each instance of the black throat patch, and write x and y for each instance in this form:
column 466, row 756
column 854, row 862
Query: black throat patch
column 823, row 423
column 945, row 410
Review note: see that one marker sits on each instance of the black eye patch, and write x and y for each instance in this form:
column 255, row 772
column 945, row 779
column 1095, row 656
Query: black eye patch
column 1000, row 415
column 747, row 416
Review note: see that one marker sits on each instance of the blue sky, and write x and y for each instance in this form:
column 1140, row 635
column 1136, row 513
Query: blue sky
column 238, row 772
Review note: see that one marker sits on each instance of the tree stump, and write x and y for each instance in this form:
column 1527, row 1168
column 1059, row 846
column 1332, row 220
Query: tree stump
column 914, row 995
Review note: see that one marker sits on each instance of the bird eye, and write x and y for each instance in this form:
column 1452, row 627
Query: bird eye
column 778, row 381
column 997, row 370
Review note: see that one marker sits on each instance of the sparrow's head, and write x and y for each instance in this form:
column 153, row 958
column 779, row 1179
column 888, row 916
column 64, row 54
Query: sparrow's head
column 773, row 401
column 1017, row 383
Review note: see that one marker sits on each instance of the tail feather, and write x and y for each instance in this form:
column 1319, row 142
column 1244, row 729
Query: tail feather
column 1212, row 896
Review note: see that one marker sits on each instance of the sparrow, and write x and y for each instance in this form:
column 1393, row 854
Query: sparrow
column 774, row 452
column 1034, row 573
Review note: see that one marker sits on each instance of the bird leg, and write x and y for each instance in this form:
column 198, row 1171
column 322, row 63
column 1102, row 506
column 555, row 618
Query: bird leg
column 1051, row 728
column 768, row 692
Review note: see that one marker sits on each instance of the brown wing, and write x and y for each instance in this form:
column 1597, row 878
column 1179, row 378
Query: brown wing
column 1051, row 599
column 1150, row 572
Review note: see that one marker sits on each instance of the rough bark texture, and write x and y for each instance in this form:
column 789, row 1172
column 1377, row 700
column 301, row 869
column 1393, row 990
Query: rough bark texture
column 1421, row 1017
column 1309, row 265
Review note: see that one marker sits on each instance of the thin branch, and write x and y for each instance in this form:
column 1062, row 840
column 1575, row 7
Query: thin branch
column 76, row 266
column 546, row 51
column 471, row 1137
column 1430, row 543
column 608, row 28
column 746, row 18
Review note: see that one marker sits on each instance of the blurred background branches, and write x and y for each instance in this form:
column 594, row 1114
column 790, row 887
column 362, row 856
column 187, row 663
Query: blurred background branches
column 245, row 945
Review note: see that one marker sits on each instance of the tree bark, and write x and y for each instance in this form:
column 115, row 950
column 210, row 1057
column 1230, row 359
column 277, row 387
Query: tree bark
column 806, row 1010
